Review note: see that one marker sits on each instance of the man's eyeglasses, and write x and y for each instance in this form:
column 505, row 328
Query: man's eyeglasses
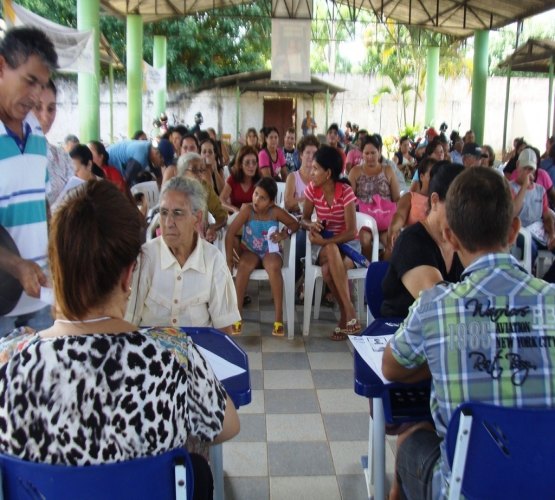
column 198, row 171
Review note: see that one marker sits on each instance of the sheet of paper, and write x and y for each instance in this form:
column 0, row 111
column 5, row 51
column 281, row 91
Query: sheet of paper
column 371, row 351
column 47, row 295
column 222, row 369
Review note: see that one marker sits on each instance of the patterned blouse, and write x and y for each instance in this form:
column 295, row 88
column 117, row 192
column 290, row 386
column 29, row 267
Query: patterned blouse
column 98, row 398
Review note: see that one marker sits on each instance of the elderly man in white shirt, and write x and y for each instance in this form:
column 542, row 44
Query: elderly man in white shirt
column 181, row 279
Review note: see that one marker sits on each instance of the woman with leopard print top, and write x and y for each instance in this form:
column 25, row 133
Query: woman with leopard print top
column 91, row 389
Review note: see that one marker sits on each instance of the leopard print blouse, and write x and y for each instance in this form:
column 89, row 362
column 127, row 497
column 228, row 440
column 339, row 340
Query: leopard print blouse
column 100, row 398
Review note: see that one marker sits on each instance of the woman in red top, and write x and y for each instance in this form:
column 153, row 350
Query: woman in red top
column 100, row 158
column 239, row 186
column 334, row 201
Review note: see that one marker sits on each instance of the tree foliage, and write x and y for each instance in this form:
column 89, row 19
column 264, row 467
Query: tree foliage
column 200, row 47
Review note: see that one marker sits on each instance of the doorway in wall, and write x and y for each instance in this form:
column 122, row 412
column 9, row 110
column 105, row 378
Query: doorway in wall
column 280, row 113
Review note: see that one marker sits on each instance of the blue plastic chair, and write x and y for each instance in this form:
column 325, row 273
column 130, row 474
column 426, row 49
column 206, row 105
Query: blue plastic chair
column 165, row 477
column 401, row 402
column 511, row 452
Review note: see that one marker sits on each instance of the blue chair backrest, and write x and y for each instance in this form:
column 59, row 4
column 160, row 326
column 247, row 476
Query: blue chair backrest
column 142, row 478
column 511, row 452
column 373, row 286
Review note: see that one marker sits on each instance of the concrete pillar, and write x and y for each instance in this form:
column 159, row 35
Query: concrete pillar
column 134, row 73
column 479, row 84
column 432, row 77
column 238, row 113
column 89, row 84
column 159, row 57
column 111, row 78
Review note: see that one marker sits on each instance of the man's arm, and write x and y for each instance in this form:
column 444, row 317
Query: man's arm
column 27, row 272
column 394, row 371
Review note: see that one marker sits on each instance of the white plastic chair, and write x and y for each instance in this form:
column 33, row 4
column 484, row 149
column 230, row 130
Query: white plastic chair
column 150, row 190
column 280, row 198
column 288, row 274
column 524, row 255
column 313, row 279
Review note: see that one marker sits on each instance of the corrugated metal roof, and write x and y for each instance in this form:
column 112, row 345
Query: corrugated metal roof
column 459, row 18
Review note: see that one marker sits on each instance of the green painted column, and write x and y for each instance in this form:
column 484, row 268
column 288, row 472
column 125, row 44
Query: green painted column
column 134, row 73
column 550, row 103
column 88, row 84
column 432, row 77
column 479, row 84
column 159, row 61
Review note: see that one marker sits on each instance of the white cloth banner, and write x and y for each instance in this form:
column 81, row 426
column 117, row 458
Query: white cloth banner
column 154, row 78
column 74, row 47
column 291, row 50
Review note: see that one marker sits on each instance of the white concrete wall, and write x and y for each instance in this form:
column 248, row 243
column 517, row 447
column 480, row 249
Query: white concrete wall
column 527, row 110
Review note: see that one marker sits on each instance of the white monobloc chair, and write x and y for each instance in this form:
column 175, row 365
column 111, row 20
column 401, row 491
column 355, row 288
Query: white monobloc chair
column 280, row 197
column 524, row 255
column 150, row 190
column 288, row 274
column 313, row 279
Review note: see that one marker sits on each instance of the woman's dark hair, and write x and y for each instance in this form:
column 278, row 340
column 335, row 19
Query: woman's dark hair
column 217, row 155
column 188, row 135
column 100, row 150
column 267, row 132
column 371, row 139
column 307, row 140
column 432, row 145
column 552, row 152
column 403, row 139
column 423, row 166
column 138, row 134
column 81, row 153
column 269, row 185
column 442, row 175
column 94, row 236
column 330, row 159
column 237, row 170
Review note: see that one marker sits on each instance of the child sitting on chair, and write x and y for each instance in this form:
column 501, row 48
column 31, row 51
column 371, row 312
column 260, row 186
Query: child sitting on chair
column 260, row 245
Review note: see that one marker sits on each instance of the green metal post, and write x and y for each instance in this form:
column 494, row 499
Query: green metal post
column 111, row 77
column 237, row 113
column 479, row 84
column 432, row 76
column 508, row 90
column 550, row 103
column 506, row 116
column 134, row 73
column 159, row 61
column 88, row 12
column 327, row 109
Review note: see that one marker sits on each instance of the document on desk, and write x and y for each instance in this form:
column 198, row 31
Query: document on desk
column 370, row 349
column 222, row 368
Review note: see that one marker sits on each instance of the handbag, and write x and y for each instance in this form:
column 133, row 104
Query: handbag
column 380, row 209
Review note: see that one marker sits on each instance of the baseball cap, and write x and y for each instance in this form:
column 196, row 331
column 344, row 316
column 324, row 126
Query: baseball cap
column 166, row 150
column 528, row 158
column 472, row 149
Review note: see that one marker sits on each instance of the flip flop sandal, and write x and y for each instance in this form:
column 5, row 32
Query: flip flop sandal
column 237, row 328
column 338, row 335
column 353, row 327
column 278, row 331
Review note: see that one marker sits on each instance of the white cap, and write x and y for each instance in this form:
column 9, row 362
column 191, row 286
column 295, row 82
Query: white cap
column 528, row 158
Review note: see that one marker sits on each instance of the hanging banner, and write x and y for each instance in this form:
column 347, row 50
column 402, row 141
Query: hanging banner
column 291, row 50
column 74, row 47
column 154, row 78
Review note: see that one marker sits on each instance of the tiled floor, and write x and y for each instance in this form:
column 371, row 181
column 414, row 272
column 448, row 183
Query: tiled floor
column 305, row 430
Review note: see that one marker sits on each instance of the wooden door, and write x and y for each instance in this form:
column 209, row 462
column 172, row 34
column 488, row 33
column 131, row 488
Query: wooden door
column 279, row 113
